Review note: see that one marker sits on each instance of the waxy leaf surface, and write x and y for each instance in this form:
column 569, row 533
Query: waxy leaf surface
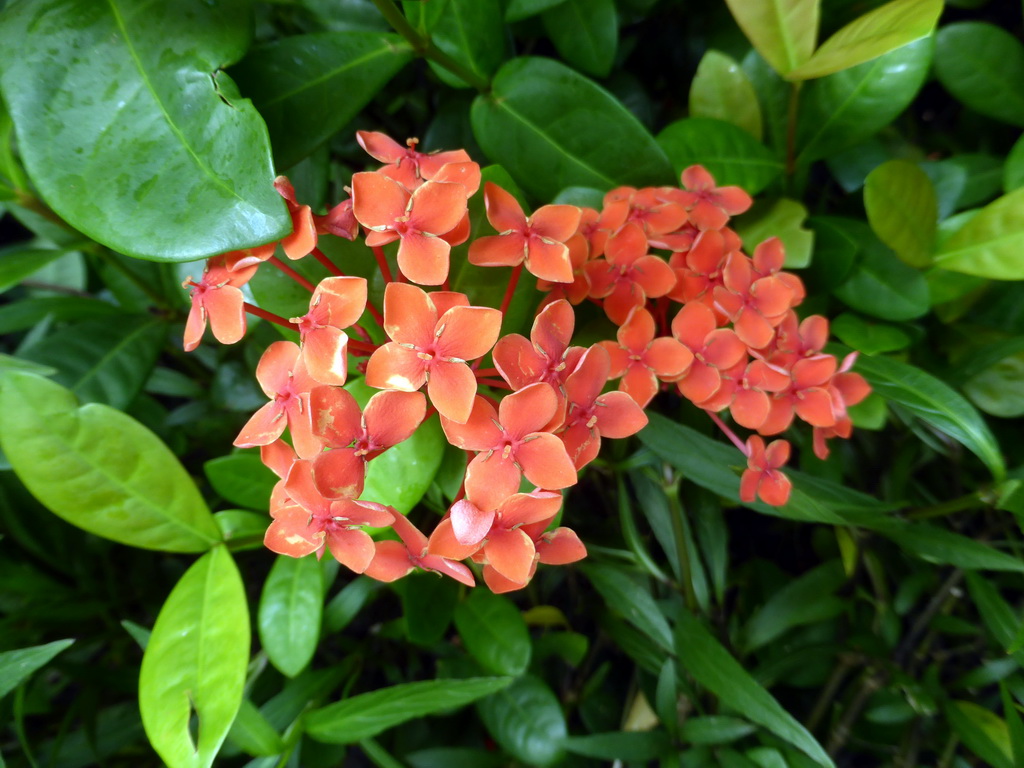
column 991, row 244
column 290, row 612
column 784, row 32
column 494, row 632
column 982, row 65
column 731, row 154
column 526, row 719
column 902, row 209
column 721, row 90
column 586, row 33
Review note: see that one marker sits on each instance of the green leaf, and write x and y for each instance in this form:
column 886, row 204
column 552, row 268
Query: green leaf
column 842, row 110
column 471, row 32
column 552, row 128
column 881, row 285
column 290, row 611
column 990, row 244
column 1013, row 171
column 784, row 219
column 982, row 732
column 902, row 209
column 1000, row 618
column 802, row 601
column 100, row 470
column 585, row 33
column 714, row 729
column 999, row 389
column 937, row 545
column 16, row 666
column 872, row 35
column 494, row 633
column 714, row 668
column 195, row 662
column 428, row 605
column 241, row 528
column 518, row 10
column 527, row 721
column 24, row 314
column 631, row 601
column 784, row 32
column 836, row 244
column 936, row 404
column 721, row 90
column 731, row 154
column 629, row 746
column 866, row 337
column 132, row 132
column 346, row 605
column 103, row 361
column 18, row 262
column 253, row 734
column 982, row 65
column 423, row 16
column 241, row 479
column 1013, row 725
column 290, row 81
column 368, row 714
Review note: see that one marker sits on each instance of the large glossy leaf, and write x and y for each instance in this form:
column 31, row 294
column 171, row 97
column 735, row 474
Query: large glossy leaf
column 494, row 633
column 19, row 261
column 241, row 479
column 552, row 128
column 990, row 244
column 937, row 545
column 100, row 469
column 290, row 611
column 131, row 131
column 16, row 666
column 721, row 90
column 902, row 209
column 634, row 603
column 367, row 714
column 428, row 605
column 844, row 109
column 881, row 285
column 784, row 32
column 471, row 32
column 195, row 663
column 875, row 33
column 586, row 33
column 291, row 80
column 935, row 403
column 731, row 154
column 526, row 719
column 713, row 667
column 982, row 65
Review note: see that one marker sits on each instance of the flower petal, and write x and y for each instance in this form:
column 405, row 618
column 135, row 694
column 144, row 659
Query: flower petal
column 424, row 259
column 467, row 333
column 546, row 462
column 527, row 410
column 511, row 554
column 470, row 524
column 395, row 367
column 351, row 547
column 377, row 200
column 451, row 388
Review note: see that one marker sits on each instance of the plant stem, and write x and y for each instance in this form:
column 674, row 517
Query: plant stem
column 682, row 551
column 791, row 119
column 729, row 433
column 292, row 273
column 252, row 309
column 327, row 263
column 382, row 264
column 512, row 283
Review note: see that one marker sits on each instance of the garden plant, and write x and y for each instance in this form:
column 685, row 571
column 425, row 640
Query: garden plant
column 472, row 383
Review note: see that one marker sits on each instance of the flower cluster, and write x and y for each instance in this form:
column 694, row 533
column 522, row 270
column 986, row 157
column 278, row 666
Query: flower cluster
column 694, row 314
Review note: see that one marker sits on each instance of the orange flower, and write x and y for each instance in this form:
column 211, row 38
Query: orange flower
column 337, row 303
column 217, row 298
column 755, row 307
column 302, row 240
column 404, row 164
column 628, row 275
column 762, row 476
column 714, row 350
column 641, row 360
column 711, row 206
column 394, row 559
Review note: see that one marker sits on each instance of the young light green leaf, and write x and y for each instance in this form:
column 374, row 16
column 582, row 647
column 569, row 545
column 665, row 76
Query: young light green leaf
column 552, row 128
column 290, row 611
column 982, row 65
column 585, row 33
column 16, row 666
column 875, row 33
column 936, row 404
column 297, row 75
column 990, row 244
column 163, row 159
column 784, row 32
column 721, row 90
column 368, row 714
column 99, row 469
column 195, row 662
column 731, row 154
column 784, row 219
column 526, row 719
column 902, row 209
column 982, row 731
column 494, row 633
column 241, row 479
column 714, row 668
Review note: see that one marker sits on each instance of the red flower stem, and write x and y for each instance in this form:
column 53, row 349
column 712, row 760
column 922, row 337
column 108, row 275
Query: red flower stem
column 512, row 282
column 252, row 309
column 729, row 433
column 292, row 273
column 359, row 331
column 446, row 285
column 382, row 263
column 328, row 264
column 496, row 383
column 360, row 347
column 375, row 312
column 487, row 372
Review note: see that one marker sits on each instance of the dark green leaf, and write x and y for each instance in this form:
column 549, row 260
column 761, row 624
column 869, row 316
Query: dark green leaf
column 18, row 262
column 631, row 601
column 471, row 32
column 290, row 610
column 241, row 528
column 990, row 244
column 714, row 668
column 100, row 469
column 195, row 662
column 902, row 209
column 428, row 604
column 368, row 714
column 162, row 159
column 527, row 721
column 630, row 746
column 1013, row 171
column 27, row 313
column 721, row 90
column 999, row 388
column 836, row 244
column 291, row 80
column 784, row 32
column 586, row 33
column 494, row 633
column 241, row 479
column 345, row 605
column 731, row 154
column 16, row 666
column 883, row 286
column 982, row 66
column 714, row 729
column 1013, row 725
column 869, row 338
column 518, row 10
column 937, row 545
column 802, row 601
column 552, row 128
column 982, row 732
column 1000, row 618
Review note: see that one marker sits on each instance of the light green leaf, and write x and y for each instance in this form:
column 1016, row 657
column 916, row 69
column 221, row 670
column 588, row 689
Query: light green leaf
column 290, row 611
column 722, row 91
column 935, row 403
column 585, row 33
column 195, row 662
column 16, row 666
column 990, row 244
column 241, row 479
column 291, row 79
column 784, row 219
column 100, row 470
column 526, row 719
column 902, row 209
column 784, row 32
column 252, row 733
column 552, row 128
column 731, row 154
column 875, row 33
column 714, row 668
column 132, row 132
column 368, row 714
column 982, row 731
column 999, row 389
column 982, row 65
column 494, row 633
